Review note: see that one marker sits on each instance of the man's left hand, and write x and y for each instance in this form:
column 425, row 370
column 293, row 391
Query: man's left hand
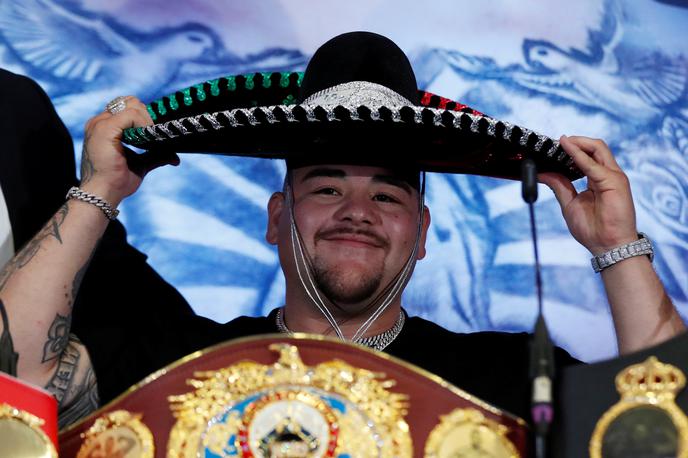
column 603, row 216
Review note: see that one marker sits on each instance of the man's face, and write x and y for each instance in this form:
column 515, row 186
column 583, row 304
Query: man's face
column 358, row 224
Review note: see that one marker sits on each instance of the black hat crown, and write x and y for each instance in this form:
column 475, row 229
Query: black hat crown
column 360, row 56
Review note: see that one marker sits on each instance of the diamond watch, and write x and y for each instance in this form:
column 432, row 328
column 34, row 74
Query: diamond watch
column 642, row 246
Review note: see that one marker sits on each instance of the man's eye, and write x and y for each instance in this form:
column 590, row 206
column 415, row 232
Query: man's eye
column 384, row 198
column 327, row 191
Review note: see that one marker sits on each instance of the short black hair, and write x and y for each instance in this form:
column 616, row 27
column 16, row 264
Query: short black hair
column 406, row 171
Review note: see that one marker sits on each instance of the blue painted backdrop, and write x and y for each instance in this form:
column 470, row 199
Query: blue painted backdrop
column 614, row 70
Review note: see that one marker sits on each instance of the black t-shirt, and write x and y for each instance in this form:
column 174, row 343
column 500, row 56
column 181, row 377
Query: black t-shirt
column 490, row 365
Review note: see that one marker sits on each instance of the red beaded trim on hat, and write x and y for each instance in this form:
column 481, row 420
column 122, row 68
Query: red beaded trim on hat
column 430, row 100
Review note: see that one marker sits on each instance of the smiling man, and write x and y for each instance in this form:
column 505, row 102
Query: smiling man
column 355, row 233
column 349, row 228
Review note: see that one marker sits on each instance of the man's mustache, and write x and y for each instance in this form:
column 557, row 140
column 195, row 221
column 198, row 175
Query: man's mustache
column 373, row 237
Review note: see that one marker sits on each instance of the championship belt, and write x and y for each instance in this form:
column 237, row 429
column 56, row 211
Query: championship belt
column 300, row 396
column 28, row 420
column 632, row 406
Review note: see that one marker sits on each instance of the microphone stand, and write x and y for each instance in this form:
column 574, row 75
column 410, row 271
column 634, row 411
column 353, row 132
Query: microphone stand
column 541, row 348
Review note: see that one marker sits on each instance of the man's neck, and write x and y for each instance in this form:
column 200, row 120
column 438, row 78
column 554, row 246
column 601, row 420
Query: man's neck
column 304, row 316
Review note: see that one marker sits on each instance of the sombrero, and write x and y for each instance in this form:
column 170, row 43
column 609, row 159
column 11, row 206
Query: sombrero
column 357, row 98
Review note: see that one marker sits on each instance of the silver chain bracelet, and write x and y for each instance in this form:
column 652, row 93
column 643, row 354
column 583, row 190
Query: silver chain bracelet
column 640, row 247
column 106, row 208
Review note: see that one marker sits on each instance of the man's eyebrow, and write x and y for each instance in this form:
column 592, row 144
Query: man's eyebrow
column 393, row 181
column 324, row 172
column 330, row 172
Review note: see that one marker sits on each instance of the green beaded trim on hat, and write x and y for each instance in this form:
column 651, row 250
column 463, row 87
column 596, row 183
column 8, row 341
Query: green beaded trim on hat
column 214, row 87
column 135, row 135
column 228, row 92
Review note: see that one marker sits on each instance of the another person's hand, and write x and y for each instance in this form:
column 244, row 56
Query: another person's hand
column 603, row 216
column 109, row 169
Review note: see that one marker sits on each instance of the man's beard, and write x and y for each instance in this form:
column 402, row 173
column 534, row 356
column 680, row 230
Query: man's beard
column 333, row 282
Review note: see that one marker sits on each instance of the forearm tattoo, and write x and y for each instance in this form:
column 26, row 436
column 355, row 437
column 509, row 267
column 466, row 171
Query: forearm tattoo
column 58, row 337
column 51, row 229
column 87, row 167
column 76, row 283
column 86, row 400
column 61, row 381
column 58, row 334
column 76, row 397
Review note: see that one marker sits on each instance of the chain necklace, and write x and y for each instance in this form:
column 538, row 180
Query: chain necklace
column 378, row 342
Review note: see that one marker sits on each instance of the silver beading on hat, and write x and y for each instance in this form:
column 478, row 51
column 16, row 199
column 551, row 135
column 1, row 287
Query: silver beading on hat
column 116, row 105
column 357, row 93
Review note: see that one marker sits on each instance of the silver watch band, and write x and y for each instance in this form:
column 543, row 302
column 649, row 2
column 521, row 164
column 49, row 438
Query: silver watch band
column 106, row 208
column 642, row 246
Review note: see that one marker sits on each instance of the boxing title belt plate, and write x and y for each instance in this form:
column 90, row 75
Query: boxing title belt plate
column 635, row 405
column 28, row 420
column 300, row 396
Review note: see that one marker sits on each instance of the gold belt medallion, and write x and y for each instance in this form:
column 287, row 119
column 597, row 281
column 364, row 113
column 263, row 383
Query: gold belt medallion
column 119, row 434
column 467, row 433
column 289, row 409
column 21, row 435
column 646, row 421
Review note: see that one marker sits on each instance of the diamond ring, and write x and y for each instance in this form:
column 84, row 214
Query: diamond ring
column 116, row 105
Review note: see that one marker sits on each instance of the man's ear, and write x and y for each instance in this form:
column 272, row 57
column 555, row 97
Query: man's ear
column 275, row 208
column 423, row 233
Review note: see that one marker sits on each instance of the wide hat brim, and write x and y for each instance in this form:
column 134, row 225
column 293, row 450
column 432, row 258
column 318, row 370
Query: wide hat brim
column 256, row 115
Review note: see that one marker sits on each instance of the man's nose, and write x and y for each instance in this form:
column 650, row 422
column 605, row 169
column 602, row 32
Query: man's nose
column 358, row 209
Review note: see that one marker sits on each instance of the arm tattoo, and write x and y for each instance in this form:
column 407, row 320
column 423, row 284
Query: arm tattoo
column 51, row 229
column 76, row 283
column 86, row 400
column 8, row 357
column 58, row 334
column 87, row 167
column 58, row 337
column 61, row 381
column 76, row 397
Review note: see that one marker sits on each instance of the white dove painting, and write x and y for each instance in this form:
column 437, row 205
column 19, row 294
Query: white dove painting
column 610, row 69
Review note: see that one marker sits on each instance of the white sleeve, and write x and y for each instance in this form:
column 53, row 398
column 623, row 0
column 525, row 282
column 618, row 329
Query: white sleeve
column 6, row 241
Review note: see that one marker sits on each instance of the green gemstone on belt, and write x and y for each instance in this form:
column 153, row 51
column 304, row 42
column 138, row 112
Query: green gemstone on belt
column 298, row 81
column 173, row 102
column 187, row 96
column 231, row 83
column 161, row 107
column 151, row 112
column 249, row 82
column 214, row 87
column 200, row 92
column 284, row 79
column 289, row 100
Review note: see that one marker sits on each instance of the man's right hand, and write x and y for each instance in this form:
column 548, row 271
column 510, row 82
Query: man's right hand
column 109, row 169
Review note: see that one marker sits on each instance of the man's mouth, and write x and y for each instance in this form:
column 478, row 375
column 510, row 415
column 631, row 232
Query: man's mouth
column 356, row 239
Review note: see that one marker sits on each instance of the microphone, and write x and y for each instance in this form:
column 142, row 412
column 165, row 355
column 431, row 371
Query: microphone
column 541, row 348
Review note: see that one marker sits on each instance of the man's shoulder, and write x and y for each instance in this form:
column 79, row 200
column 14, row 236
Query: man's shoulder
column 245, row 326
column 14, row 85
column 417, row 327
column 495, row 345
